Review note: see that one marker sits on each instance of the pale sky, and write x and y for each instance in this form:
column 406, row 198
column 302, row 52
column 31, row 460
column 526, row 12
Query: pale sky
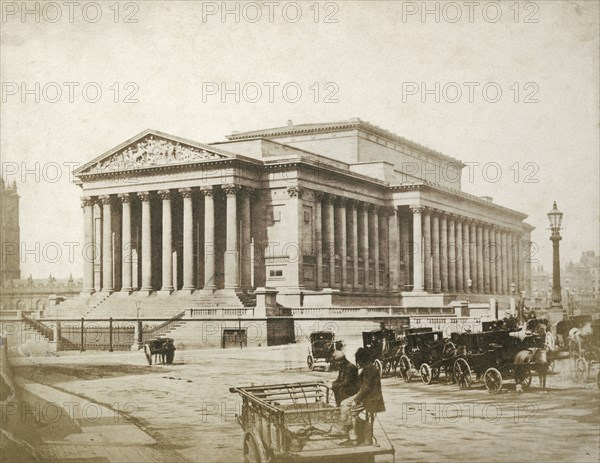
column 369, row 63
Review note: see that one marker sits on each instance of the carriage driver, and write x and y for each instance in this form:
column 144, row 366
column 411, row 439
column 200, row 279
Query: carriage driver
column 369, row 397
column 346, row 384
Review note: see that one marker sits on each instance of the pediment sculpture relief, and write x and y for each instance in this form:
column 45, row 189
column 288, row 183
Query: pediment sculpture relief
column 152, row 152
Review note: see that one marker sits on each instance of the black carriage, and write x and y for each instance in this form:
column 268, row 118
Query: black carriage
column 427, row 352
column 160, row 349
column 385, row 348
column 491, row 355
column 321, row 349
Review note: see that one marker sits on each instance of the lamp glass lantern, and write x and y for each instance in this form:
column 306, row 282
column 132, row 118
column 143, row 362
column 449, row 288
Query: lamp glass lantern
column 555, row 218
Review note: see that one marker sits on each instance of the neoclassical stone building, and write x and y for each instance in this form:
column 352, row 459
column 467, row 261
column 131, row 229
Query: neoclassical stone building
column 327, row 214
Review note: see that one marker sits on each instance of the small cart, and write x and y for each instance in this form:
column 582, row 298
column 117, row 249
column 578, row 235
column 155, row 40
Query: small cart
column 291, row 423
column 162, row 349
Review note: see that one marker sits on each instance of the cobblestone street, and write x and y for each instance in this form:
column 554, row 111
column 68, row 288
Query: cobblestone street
column 187, row 407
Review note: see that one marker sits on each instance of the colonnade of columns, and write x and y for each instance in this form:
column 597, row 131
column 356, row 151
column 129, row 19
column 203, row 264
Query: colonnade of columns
column 460, row 255
column 99, row 241
column 356, row 240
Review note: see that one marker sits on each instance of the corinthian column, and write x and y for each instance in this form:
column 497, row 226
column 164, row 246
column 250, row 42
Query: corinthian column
column 231, row 251
column 246, row 233
column 126, row 245
column 418, row 242
column 479, row 257
column 319, row 239
column 459, row 257
column 363, row 242
column 107, row 247
column 493, row 258
column 188, row 240
column 466, row 246
column 209, row 238
column 486, row 257
column 427, row 249
column 330, row 237
column 374, row 219
column 451, row 255
column 146, row 242
column 354, row 243
column 342, row 244
column 511, row 259
column 505, row 279
column 435, row 225
column 89, row 248
column 167, row 243
column 444, row 253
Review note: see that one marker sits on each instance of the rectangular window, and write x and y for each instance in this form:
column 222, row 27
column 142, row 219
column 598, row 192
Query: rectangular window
column 275, row 273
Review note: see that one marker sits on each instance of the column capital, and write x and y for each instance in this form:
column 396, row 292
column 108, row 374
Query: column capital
column 165, row 195
column 125, row 198
column 231, row 189
column 352, row 204
column 318, row 195
column 207, row 190
column 248, row 191
column 329, row 198
column 87, row 201
column 374, row 208
column 186, row 192
column 105, row 199
column 144, row 196
column 417, row 208
column 342, row 201
column 294, row 191
column 388, row 211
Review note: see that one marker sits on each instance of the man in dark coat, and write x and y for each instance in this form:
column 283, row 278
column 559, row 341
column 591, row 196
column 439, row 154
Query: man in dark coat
column 347, row 382
column 369, row 397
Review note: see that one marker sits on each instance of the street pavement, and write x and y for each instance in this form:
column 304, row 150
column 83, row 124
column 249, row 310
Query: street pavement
column 186, row 409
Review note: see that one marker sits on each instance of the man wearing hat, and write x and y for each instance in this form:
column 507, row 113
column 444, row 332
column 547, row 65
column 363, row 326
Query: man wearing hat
column 347, row 383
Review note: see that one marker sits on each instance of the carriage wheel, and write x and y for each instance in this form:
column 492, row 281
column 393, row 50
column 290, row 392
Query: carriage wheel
column 148, row 353
column 253, row 452
column 581, row 370
column 379, row 367
column 426, row 373
column 405, row 368
column 462, row 374
column 493, row 380
column 310, row 361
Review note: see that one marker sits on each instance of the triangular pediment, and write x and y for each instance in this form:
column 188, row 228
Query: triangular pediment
column 152, row 149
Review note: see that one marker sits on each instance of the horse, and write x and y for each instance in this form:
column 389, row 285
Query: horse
column 577, row 337
column 536, row 358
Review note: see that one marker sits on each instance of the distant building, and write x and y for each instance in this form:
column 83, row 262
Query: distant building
column 10, row 265
column 23, row 295
column 32, row 295
column 581, row 282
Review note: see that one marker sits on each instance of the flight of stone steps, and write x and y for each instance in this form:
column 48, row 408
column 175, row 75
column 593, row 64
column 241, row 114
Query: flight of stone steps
column 117, row 305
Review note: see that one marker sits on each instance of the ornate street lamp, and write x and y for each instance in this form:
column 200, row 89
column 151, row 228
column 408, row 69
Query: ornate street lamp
column 555, row 219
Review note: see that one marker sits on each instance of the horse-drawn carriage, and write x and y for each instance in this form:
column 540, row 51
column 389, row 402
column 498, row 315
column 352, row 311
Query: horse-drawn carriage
column 497, row 355
column 385, row 347
column 162, row 349
column 321, row 349
column 292, row 422
column 588, row 353
column 427, row 352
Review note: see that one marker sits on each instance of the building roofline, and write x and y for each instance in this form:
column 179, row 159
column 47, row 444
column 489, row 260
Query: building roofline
column 355, row 124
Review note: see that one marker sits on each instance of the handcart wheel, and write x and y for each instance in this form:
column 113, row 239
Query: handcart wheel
column 426, row 373
column 253, row 451
column 310, row 362
column 148, row 353
column 493, row 380
column 379, row 367
column 405, row 368
column 462, row 374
